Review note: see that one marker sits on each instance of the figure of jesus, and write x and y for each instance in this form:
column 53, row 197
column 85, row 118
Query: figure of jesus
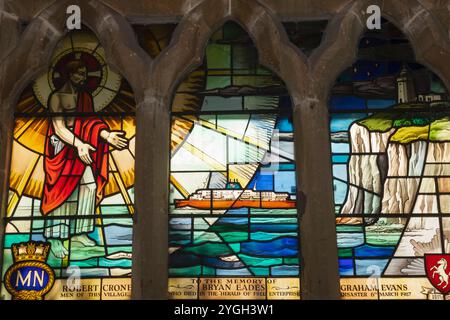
column 75, row 162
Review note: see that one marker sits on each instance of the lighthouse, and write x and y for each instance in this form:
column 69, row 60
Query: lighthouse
column 405, row 86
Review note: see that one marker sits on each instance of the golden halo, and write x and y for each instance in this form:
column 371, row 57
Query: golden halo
column 27, row 174
column 102, row 81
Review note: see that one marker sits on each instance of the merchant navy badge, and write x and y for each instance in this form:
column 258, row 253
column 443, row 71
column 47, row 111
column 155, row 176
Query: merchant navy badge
column 29, row 277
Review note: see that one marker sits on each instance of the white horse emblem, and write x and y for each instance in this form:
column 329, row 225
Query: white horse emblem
column 441, row 270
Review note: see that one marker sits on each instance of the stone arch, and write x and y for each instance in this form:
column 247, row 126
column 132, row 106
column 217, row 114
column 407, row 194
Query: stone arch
column 9, row 33
column 44, row 31
column 193, row 32
column 348, row 25
column 376, row 151
column 427, row 35
column 31, row 56
column 266, row 112
column 279, row 55
column 153, row 91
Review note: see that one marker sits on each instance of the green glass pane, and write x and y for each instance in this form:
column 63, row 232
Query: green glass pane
column 260, row 262
column 218, row 56
column 10, row 239
column 214, row 82
column 345, row 252
column 262, row 272
column 188, row 272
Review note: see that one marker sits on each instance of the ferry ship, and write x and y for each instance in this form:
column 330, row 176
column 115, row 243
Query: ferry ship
column 234, row 197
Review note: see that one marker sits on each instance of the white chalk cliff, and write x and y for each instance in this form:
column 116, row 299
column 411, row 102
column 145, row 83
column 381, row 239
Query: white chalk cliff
column 400, row 165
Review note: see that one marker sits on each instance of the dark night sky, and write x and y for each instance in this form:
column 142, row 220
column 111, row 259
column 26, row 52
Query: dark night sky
column 373, row 76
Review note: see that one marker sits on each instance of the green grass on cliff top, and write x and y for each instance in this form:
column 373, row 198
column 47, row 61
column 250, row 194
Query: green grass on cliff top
column 412, row 125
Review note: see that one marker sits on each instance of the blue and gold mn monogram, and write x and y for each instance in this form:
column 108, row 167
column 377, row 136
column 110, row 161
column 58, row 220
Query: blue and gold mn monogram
column 29, row 278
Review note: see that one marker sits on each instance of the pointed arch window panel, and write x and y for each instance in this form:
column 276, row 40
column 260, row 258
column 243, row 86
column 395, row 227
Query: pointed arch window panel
column 389, row 124
column 233, row 218
column 71, row 187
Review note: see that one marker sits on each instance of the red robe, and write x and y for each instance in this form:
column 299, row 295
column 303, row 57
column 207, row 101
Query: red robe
column 63, row 171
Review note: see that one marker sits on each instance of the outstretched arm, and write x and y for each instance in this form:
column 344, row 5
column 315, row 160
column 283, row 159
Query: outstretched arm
column 65, row 134
column 115, row 138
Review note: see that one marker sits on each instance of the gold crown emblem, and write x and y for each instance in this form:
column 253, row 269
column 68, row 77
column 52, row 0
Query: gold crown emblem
column 30, row 251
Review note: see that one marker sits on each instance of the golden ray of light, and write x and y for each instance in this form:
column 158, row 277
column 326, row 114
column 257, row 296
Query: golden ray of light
column 31, row 132
column 132, row 147
column 111, row 187
column 26, row 102
column 242, row 172
column 22, row 125
column 27, row 174
column 31, row 135
column 185, row 102
column 124, row 163
column 127, row 124
column 121, row 184
column 121, row 105
column 176, row 140
column 98, row 211
column 29, row 105
column 36, row 108
column 36, row 184
column 213, row 163
column 250, row 140
column 21, row 183
column 113, row 123
column 181, row 128
column 128, row 94
column 179, row 187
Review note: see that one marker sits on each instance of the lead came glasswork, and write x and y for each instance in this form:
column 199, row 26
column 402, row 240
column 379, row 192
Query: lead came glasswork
column 389, row 126
column 233, row 218
column 72, row 172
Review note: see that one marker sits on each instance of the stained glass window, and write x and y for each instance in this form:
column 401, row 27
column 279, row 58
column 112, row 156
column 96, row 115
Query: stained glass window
column 233, row 219
column 153, row 38
column 306, row 35
column 389, row 125
column 72, row 173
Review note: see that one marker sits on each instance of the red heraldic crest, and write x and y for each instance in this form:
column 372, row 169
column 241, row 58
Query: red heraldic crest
column 437, row 268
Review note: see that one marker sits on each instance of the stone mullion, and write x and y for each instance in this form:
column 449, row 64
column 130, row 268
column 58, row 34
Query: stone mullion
column 150, row 232
column 9, row 32
column 320, row 278
column 9, row 37
column 151, row 225
column 6, row 141
column 30, row 57
column 313, row 151
column 318, row 256
column 17, row 67
column 319, row 253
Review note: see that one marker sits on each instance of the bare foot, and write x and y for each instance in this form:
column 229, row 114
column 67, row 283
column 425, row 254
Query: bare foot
column 58, row 248
column 84, row 240
column 349, row 220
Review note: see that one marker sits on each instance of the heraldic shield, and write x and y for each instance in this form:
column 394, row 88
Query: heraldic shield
column 30, row 277
column 437, row 268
